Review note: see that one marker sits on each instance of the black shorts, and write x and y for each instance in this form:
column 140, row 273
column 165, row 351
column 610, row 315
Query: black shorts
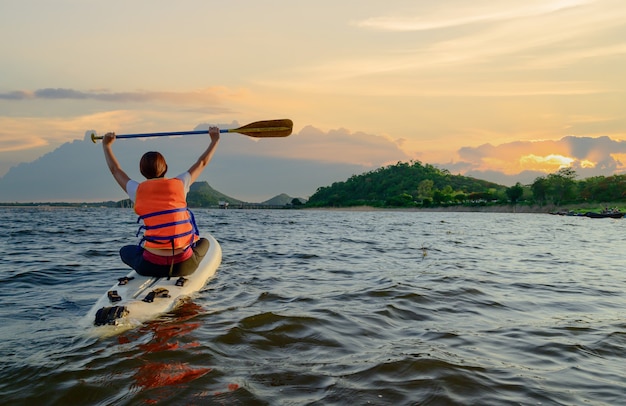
column 132, row 255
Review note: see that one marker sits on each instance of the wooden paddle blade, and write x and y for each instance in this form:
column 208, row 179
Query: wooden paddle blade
column 266, row 129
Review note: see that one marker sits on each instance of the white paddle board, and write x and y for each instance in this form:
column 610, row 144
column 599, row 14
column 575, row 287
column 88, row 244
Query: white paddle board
column 135, row 299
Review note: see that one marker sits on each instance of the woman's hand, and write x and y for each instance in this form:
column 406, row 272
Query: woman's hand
column 206, row 156
column 108, row 139
column 114, row 166
column 214, row 132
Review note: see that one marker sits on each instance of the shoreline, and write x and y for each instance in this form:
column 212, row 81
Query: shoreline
column 517, row 209
column 512, row 210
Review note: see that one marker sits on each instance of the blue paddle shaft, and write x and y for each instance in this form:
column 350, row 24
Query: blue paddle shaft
column 166, row 134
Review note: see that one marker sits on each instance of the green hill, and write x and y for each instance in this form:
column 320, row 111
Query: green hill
column 404, row 185
column 201, row 194
column 281, row 200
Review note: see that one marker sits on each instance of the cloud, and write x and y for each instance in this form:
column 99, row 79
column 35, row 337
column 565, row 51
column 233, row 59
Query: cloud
column 24, row 133
column 474, row 12
column 16, row 95
column 483, row 36
column 50, row 116
column 524, row 177
column 243, row 167
column 208, row 96
column 588, row 156
column 312, row 144
column 62, row 94
column 341, row 145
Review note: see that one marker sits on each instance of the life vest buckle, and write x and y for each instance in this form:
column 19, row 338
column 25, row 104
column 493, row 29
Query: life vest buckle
column 181, row 281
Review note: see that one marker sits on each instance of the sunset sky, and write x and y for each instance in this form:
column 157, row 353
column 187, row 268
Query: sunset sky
column 480, row 86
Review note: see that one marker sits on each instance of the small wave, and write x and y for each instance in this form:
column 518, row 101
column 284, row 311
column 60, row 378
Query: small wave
column 419, row 379
column 43, row 277
column 403, row 313
column 91, row 253
column 269, row 331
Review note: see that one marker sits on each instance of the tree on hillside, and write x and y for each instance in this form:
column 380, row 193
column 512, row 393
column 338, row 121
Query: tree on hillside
column 439, row 197
column 460, row 197
column 400, row 184
column 515, row 192
column 590, row 187
column 561, row 185
column 425, row 189
column 603, row 189
column 540, row 189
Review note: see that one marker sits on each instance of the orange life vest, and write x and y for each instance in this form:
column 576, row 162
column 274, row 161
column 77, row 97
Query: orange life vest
column 162, row 206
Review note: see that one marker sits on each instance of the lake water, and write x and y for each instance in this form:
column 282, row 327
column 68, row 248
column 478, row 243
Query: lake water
column 325, row 308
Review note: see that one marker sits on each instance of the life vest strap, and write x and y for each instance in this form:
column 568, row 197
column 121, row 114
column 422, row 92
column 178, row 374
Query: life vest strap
column 154, row 238
column 169, row 239
column 173, row 223
column 160, row 213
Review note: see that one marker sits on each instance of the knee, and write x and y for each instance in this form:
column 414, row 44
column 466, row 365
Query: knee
column 201, row 246
column 129, row 252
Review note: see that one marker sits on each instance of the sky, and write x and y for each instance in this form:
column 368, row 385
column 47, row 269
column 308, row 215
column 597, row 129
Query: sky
column 496, row 90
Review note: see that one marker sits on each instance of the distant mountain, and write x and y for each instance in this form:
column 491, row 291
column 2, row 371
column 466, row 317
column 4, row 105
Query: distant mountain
column 201, row 194
column 282, row 200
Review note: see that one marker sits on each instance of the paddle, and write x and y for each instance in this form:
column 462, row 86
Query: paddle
column 258, row 129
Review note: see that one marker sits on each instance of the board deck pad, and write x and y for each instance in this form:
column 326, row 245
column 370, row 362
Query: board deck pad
column 135, row 299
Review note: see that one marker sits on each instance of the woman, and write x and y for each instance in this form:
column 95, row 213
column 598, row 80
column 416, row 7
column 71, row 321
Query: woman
column 171, row 245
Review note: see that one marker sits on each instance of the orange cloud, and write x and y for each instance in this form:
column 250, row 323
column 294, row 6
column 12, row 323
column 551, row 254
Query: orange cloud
column 548, row 163
column 600, row 155
column 24, row 133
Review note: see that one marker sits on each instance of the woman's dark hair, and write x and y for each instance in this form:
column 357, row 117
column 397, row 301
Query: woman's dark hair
column 152, row 165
